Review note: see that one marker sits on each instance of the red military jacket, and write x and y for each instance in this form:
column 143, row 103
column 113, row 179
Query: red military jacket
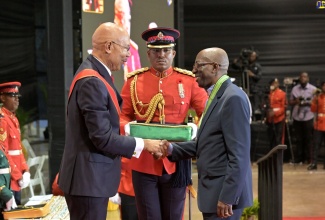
column 10, row 139
column 277, row 100
column 126, row 185
column 177, row 103
column 318, row 107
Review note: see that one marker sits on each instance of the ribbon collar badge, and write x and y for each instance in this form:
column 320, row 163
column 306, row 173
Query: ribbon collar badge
column 181, row 91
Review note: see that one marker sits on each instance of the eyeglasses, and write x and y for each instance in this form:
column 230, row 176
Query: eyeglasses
column 198, row 65
column 125, row 47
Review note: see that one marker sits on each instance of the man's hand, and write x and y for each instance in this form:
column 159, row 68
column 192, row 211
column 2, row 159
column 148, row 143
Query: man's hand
column 164, row 148
column 156, row 148
column 250, row 73
column 224, row 210
column 115, row 199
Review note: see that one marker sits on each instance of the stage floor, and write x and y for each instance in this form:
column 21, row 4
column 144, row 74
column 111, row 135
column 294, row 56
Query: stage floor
column 303, row 191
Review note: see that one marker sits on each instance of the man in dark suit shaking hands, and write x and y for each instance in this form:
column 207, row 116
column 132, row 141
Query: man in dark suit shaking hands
column 91, row 164
column 222, row 146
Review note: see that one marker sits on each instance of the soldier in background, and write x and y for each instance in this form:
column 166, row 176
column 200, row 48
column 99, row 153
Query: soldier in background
column 10, row 138
column 318, row 107
column 276, row 114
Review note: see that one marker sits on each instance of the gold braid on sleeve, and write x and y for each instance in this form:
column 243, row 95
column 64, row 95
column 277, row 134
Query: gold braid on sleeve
column 157, row 101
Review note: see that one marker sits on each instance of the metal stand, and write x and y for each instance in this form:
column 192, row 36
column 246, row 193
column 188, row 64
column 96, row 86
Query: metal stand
column 287, row 120
column 245, row 82
column 290, row 143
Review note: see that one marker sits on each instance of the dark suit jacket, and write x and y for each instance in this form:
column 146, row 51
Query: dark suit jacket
column 222, row 149
column 91, row 163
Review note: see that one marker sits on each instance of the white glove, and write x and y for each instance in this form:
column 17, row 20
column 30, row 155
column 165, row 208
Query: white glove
column 127, row 128
column 20, row 182
column 14, row 204
column 116, row 199
column 11, row 204
column 26, row 180
column 194, row 130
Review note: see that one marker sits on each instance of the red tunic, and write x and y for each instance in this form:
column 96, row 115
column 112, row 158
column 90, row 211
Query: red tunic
column 148, row 84
column 318, row 107
column 277, row 100
column 10, row 139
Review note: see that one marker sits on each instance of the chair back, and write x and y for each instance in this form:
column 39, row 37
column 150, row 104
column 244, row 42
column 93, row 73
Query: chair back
column 35, row 165
column 28, row 148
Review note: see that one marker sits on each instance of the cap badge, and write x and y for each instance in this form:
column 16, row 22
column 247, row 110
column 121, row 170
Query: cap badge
column 160, row 35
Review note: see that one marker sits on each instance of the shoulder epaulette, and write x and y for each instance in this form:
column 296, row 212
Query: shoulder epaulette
column 183, row 71
column 138, row 71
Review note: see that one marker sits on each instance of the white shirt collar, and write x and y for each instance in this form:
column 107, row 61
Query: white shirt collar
column 209, row 90
column 108, row 70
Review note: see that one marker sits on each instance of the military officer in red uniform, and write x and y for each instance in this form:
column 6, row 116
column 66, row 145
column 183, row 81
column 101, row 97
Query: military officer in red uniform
column 318, row 107
column 10, row 138
column 276, row 114
column 160, row 94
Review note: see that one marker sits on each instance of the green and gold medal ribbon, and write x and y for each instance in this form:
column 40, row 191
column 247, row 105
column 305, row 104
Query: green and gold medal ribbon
column 216, row 88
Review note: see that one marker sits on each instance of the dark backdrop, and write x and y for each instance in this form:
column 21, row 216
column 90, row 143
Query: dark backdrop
column 288, row 34
column 17, row 45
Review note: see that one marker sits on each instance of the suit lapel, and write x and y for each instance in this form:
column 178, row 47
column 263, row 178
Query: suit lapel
column 213, row 104
column 103, row 72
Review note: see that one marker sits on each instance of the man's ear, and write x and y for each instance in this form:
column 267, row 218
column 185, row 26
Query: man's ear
column 108, row 46
column 215, row 68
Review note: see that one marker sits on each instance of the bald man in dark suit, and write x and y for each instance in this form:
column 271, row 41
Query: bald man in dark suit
column 91, row 163
column 222, row 147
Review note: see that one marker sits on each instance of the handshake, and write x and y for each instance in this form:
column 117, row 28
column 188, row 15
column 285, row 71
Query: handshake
column 158, row 148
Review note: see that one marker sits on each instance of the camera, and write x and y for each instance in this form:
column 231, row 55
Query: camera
column 304, row 101
column 245, row 53
column 244, row 56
